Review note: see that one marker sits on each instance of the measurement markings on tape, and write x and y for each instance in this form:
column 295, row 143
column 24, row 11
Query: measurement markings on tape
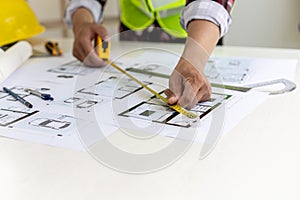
column 176, row 107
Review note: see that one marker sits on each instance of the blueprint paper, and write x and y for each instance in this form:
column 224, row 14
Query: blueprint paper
column 92, row 103
column 227, row 70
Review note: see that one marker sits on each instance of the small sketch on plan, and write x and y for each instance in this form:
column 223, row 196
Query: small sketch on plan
column 72, row 68
column 151, row 69
column 72, row 100
column 227, row 69
column 230, row 70
column 156, row 111
column 87, row 104
column 50, row 123
column 11, row 115
column 113, row 87
column 47, row 123
column 82, row 101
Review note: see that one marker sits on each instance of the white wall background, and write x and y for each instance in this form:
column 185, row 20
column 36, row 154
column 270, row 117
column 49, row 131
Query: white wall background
column 112, row 9
column 266, row 23
column 47, row 10
column 50, row 14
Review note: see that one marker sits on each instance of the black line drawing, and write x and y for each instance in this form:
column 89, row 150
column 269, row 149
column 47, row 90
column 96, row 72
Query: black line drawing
column 72, row 100
column 87, row 104
column 227, row 69
column 82, row 101
column 50, row 123
column 12, row 115
column 73, row 67
column 113, row 87
column 156, row 111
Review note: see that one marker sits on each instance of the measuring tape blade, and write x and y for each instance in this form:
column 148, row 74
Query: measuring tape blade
column 176, row 107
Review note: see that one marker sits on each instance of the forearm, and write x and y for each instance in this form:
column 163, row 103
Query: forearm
column 205, row 33
column 202, row 39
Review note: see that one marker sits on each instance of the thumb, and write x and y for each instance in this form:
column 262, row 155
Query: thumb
column 172, row 98
column 188, row 98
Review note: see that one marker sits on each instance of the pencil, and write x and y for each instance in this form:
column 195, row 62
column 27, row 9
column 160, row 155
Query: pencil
column 17, row 97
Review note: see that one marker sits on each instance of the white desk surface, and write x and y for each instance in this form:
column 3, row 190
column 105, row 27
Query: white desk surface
column 259, row 159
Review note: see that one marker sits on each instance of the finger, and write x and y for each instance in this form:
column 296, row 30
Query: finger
column 203, row 95
column 188, row 98
column 90, row 56
column 176, row 83
column 172, row 99
column 85, row 53
column 78, row 54
column 86, row 46
column 92, row 60
column 78, row 50
column 86, row 39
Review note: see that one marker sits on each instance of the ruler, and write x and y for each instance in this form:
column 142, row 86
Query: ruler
column 288, row 85
column 103, row 49
column 229, row 87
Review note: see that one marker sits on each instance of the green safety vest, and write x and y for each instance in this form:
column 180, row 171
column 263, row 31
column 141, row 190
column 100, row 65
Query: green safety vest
column 140, row 14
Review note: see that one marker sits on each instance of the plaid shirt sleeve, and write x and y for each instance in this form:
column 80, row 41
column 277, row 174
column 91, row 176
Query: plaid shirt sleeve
column 227, row 4
column 216, row 11
column 95, row 7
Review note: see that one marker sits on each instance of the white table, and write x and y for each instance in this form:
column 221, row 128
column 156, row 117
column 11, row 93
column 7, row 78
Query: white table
column 259, row 159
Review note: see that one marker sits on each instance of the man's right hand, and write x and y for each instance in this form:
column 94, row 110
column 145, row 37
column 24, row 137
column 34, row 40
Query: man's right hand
column 85, row 32
column 187, row 85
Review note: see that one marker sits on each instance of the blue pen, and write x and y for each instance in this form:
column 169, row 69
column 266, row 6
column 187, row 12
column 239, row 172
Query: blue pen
column 17, row 97
column 39, row 94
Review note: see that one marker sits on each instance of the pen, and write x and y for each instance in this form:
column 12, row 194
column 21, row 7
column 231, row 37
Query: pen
column 17, row 97
column 39, row 94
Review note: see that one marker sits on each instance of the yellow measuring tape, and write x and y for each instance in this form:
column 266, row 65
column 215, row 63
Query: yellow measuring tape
column 103, row 50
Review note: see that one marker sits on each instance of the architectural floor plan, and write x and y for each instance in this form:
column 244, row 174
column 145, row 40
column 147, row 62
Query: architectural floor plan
column 112, row 99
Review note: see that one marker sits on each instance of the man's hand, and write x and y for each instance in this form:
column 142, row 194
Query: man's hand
column 85, row 31
column 187, row 85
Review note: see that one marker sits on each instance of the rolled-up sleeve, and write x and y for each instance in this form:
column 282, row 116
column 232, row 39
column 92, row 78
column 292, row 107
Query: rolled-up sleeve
column 210, row 10
column 92, row 5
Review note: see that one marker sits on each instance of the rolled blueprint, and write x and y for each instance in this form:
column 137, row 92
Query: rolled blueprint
column 13, row 58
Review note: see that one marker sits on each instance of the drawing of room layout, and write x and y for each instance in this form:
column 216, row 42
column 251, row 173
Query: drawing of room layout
column 113, row 87
column 157, row 111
